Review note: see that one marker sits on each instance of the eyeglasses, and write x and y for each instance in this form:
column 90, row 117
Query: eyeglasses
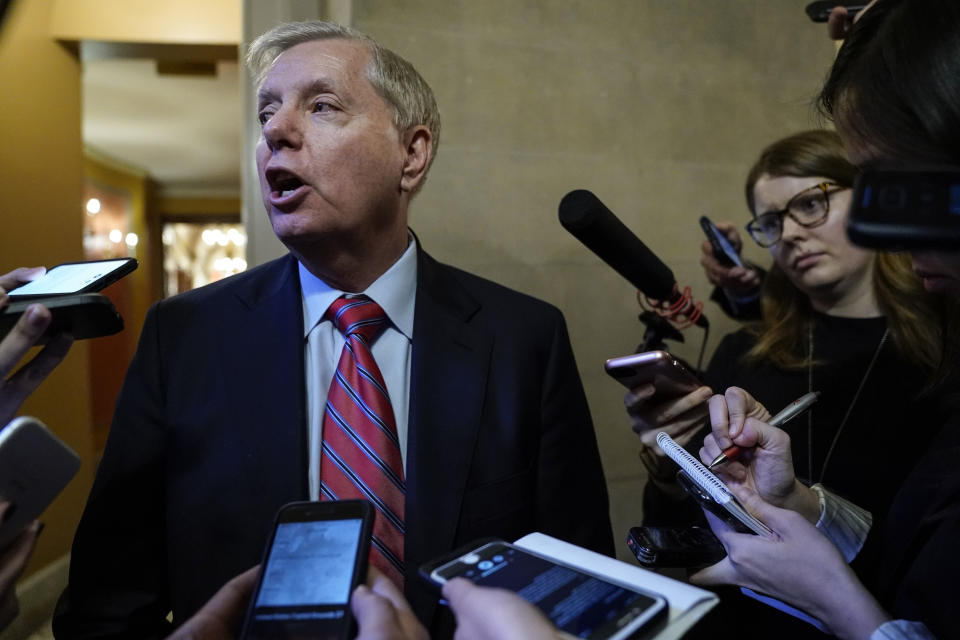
column 809, row 208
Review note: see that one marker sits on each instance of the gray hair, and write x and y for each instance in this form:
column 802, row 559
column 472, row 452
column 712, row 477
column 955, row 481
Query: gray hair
column 393, row 78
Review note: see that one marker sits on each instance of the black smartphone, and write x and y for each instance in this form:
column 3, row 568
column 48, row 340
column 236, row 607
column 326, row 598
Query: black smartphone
column 897, row 209
column 820, row 11
column 670, row 376
column 316, row 556
column 578, row 603
column 722, row 249
column 675, row 547
column 708, row 503
column 87, row 315
column 72, row 278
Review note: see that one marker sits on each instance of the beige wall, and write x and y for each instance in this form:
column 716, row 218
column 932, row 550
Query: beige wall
column 40, row 203
column 203, row 22
column 657, row 106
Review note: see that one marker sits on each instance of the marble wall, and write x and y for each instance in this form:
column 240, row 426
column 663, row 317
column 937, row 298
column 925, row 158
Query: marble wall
column 657, row 106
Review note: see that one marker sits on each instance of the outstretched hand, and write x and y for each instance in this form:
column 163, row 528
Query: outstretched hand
column 800, row 566
column 680, row 418
column 13, row 560
column 739, row 281
column 15, row 388
column 382, row 613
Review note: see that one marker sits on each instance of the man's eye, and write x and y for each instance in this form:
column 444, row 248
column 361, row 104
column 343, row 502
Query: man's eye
column 263, row 116
column 321, row 107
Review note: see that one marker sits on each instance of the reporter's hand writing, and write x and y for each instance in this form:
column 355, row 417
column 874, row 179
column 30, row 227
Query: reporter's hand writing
column 680, row 418
column 802, row 567
column 484, row 613
column 765, row 464
column 15, row 388
column 382, row 613
column 738, row 281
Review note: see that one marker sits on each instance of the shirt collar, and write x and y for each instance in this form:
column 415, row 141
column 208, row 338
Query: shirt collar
column 395, row 291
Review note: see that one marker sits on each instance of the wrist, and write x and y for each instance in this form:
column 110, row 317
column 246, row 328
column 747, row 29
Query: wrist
column 850, row 612
column 804, row 501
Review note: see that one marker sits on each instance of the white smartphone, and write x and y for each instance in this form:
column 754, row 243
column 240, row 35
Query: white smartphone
column 581, row 605
column 35, row 466
column 75, row 277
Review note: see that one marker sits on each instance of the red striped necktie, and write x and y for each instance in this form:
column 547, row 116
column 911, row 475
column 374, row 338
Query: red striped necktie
column 361, row 451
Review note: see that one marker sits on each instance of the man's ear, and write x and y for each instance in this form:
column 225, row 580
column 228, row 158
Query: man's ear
column 419, row 151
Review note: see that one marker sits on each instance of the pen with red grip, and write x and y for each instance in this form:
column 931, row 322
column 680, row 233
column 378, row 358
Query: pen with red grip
column 789, row 412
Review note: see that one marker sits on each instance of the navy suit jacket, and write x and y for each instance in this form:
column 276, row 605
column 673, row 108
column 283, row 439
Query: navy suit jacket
column 209, row 440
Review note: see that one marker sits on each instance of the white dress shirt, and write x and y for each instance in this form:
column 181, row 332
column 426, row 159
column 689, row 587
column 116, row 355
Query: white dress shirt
column 395, row 291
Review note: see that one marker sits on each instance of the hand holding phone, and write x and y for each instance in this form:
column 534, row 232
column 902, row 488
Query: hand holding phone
column 579, row 604
column 723, row 250
column 819, row 11
column 35, row 466
column 721, row 261
column 664, row 395
column 316, row 556
column 67, row 291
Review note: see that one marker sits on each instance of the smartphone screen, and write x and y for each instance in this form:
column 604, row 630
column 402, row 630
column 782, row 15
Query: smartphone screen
column 310, row 570
column 76, row 277
column 577, row 603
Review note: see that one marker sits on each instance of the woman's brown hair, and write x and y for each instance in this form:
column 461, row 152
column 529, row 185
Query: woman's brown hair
column 913, row 316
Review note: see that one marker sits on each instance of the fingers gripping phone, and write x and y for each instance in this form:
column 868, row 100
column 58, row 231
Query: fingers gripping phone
column 67, row 291
column 670, row 376
column 723, row 251
column 316, row 556
column 579, row 604
column 86, row 315
column 35, row 466
column 819, row 11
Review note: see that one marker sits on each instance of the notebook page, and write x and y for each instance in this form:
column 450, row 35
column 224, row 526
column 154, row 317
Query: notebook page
column 697, row 472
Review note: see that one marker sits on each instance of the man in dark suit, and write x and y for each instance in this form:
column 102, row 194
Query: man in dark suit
column 222, row 417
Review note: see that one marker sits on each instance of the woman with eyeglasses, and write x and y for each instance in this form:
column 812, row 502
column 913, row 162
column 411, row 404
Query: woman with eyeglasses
column 853, row 324
column 894, row 96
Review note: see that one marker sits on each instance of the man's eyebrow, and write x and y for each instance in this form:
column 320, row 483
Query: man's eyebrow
column 318, row 85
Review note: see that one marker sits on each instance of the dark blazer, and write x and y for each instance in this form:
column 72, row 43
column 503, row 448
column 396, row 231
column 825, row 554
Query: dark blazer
column 209, row 440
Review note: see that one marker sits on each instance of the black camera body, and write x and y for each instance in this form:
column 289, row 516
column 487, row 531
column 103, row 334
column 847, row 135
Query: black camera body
column 905, row 210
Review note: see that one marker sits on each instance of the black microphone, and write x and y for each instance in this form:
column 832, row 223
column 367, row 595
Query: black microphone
column 583, row 215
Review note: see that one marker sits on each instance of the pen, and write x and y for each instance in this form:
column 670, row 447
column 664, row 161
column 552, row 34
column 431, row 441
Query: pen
column 789, row 412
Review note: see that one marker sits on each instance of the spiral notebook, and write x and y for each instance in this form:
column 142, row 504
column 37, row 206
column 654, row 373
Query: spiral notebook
column 710, row 485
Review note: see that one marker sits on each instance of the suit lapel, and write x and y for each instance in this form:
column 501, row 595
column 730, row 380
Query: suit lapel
column 448, row 383
column 270, row 370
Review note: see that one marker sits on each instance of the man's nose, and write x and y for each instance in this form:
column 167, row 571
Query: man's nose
column 282, row 129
